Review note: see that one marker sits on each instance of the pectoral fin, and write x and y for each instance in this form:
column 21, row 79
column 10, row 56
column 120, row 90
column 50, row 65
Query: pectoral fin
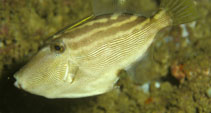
column 70, row 73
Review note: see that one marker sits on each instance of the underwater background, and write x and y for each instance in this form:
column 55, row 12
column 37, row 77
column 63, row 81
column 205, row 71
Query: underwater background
column 173, row 77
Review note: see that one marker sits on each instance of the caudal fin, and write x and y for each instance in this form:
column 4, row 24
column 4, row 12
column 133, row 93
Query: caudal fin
column 181, row 11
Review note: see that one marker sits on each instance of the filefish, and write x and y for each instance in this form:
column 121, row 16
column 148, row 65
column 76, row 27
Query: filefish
column 84, row 59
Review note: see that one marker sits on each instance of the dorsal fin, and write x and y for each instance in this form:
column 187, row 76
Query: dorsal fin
column 101, row 7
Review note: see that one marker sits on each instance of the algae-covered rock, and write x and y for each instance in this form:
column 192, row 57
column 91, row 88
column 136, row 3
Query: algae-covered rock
column 176, row 69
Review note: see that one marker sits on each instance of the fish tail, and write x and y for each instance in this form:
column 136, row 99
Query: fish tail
column 180, row 11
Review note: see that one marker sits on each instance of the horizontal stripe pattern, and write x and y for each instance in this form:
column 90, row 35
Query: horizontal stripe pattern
column 110, row 41
column 103, row 21
column 98, row 31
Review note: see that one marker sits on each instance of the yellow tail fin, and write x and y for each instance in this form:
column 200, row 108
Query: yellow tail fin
column 181, row 11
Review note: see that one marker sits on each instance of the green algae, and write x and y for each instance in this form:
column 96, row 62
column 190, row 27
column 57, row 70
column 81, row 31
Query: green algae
column 25, row 25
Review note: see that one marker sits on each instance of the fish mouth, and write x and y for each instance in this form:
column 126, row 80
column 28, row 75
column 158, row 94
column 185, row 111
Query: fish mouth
column 18, row 85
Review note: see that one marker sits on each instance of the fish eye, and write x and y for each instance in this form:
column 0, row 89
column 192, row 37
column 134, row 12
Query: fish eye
column 57, row 47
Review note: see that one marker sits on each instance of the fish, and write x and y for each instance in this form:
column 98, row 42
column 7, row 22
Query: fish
column 84, row 59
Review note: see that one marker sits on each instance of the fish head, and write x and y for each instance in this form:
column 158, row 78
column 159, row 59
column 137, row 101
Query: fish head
column 47, row 70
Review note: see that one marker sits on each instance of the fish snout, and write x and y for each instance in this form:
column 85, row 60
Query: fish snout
column 18, row 85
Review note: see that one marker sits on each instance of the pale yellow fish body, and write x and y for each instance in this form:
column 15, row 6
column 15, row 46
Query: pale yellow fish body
column 84, row 61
